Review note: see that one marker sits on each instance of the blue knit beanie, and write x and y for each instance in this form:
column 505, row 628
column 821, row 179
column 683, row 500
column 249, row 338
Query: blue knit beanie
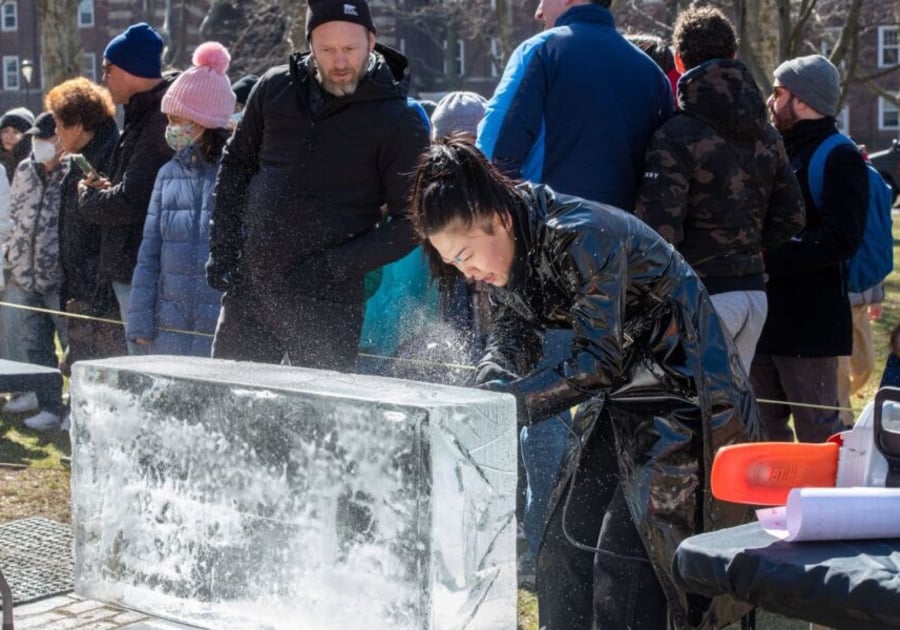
column 137, row 51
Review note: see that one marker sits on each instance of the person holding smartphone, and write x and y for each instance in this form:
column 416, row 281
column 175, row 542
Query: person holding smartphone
column 85, row 125
column 132, row 71
column 169, row 291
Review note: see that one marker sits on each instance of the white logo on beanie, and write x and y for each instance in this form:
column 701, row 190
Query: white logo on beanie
column 350, row 9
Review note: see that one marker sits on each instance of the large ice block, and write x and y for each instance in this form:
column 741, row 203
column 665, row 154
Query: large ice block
column 239, row 495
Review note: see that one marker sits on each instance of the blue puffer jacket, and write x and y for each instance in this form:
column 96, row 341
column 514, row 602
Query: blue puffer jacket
column 169, row 288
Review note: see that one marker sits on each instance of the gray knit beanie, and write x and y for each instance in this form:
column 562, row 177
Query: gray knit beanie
column 457, row 112
column 19, row 118
column 814, row 80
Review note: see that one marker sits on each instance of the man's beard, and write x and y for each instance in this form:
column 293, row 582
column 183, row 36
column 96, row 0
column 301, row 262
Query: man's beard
column 343, row 88
column 785, row 118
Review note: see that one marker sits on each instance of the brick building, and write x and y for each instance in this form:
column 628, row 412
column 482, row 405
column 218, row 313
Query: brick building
column 453, row 45
column 98, row 21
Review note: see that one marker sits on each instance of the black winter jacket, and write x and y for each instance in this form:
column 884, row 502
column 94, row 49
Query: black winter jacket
column 717, row 183
column 122, row 208
column 645, row 336
column 809, row 313
column 299, row 196
column 79, row 240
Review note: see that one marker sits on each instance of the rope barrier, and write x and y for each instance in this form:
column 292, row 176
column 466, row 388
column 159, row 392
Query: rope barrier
column 424, row 362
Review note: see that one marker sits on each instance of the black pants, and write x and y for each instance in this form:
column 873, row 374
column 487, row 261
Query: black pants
column 614, row 589
column 315, row 333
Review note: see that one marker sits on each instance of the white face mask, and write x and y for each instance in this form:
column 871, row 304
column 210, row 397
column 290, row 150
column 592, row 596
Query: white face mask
column 43, row 150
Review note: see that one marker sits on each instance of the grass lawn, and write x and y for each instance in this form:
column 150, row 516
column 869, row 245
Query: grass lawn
column 35, row 482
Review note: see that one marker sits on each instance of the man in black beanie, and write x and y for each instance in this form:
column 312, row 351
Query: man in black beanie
column 325, row 142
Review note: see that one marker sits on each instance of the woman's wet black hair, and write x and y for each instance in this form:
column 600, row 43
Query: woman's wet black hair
column 455, row 183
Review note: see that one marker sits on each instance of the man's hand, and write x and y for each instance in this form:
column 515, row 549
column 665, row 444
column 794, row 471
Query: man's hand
column 141, row 341
column 93, row 181
column 874, row 312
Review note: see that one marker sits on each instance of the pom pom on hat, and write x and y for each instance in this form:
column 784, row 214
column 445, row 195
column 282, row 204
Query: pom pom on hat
column 212, row 55
column 203, row 93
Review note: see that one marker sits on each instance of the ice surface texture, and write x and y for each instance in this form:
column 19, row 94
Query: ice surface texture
column 240, row 495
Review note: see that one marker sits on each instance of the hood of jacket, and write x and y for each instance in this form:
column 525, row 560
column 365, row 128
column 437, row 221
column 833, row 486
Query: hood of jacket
column 722, row 93
column 144, row 103
column 387, row 77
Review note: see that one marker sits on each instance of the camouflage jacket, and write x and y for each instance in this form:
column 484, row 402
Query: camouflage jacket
column 31, row 252
column 717, row 183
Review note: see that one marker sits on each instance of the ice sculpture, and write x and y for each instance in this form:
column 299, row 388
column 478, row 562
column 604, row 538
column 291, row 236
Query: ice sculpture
column 239, row 495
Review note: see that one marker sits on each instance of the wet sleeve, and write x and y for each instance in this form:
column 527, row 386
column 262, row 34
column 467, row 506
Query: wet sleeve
column 598, row 311
column 240, row 161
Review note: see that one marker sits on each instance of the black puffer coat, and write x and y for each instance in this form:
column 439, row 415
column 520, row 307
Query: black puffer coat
column 646, row 335
column 299, row 196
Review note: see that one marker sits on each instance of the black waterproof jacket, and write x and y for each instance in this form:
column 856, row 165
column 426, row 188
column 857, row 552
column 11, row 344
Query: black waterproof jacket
column 299, row 196
column 121, row 209
column 647, row 345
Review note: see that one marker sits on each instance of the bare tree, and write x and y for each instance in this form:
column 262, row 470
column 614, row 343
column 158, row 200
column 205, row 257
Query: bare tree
column 174, row 33
column 770, row 31
column 490, row 30
column 61, row 48
column 259, row 34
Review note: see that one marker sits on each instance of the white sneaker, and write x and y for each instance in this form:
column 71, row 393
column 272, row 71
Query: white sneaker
column 43, row 421
column 66, row 423
column 21, row 403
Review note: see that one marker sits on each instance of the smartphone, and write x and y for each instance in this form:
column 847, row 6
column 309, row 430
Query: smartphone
column 84, row 165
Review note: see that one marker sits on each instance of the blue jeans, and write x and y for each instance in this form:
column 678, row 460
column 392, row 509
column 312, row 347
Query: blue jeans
column 27, row 336
column 123, row 293
column 543, row 445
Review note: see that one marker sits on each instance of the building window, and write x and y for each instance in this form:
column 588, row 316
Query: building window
column 10, row 72
column 460, row 58
column 496, row 57
column 89, row 63
column 888, row 115
column 86, row 13
column 888, row 46
column 10, row 15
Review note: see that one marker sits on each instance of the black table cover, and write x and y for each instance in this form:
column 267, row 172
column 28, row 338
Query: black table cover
column 851, row 584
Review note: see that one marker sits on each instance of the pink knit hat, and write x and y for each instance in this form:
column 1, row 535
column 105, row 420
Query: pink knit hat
column 203, row 93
